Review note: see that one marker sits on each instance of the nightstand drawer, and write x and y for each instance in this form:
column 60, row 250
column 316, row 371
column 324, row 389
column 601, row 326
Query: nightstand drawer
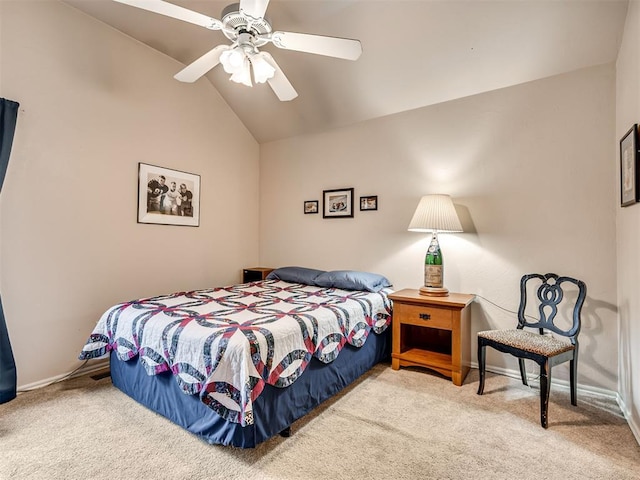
column 423, row 316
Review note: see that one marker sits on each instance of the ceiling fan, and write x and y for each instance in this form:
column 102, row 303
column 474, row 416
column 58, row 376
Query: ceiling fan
column 248, row 29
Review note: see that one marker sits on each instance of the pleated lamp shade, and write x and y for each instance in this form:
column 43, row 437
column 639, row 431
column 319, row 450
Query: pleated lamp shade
column 435, row 213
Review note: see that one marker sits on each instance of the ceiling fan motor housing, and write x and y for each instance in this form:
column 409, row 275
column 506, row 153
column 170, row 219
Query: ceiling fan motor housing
column 235, row 23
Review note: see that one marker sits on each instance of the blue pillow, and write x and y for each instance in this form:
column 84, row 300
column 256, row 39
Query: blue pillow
column 295, row 275
column 352, row 280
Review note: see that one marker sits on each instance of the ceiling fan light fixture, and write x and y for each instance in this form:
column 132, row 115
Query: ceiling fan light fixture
column 262, row 70
column 242, row 74
column 233, row 59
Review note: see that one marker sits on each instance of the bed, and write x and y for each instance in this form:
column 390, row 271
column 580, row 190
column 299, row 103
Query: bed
column 237, row 365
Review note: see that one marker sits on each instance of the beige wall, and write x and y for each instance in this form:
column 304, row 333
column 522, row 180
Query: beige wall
column 94, row 103
column 529, row 169
column 628, row 223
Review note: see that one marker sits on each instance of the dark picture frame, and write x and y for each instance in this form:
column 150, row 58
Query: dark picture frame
column 369, row 202
column 167, row 196
column 337, row 203
column 629, row 191
column 310, row 207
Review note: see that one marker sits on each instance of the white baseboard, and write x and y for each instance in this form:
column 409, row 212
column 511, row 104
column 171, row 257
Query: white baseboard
column 633, row 422
column 93, row 366
column 89, row 367
column 563, row 384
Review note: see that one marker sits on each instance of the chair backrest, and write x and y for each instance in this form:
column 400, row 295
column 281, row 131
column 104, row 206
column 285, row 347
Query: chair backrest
column 549, row 296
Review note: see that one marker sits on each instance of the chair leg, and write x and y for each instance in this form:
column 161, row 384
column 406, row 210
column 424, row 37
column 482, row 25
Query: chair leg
column 481, row 365
column 545, row 388
column 573, row 378
column 523, row 372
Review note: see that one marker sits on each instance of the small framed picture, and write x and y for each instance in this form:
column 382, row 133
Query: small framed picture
column 168, row 197
column 337, row 203
column 311, row 206
column 369, row 203
column 629, row 167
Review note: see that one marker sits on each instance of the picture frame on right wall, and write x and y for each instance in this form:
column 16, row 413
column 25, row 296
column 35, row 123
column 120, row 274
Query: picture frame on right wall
column 629, row 188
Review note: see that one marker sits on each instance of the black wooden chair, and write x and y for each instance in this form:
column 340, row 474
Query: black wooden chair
column 546, row 350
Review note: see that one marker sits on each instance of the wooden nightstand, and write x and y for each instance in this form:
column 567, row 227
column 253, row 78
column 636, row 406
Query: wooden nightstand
column 432, row 332
column 255, row 274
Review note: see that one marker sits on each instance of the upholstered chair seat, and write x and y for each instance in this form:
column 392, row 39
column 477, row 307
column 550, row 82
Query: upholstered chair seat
column 546, row 345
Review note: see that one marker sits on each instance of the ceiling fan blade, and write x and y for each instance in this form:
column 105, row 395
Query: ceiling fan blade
column 254, row 8
column 345, row 48
column 198, row 68
column 279, row 83
column 174, row 11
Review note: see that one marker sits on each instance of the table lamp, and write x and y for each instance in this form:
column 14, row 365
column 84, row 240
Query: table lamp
column 435, row 213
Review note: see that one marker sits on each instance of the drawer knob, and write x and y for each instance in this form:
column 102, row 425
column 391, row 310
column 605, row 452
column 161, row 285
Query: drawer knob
column 425, row 316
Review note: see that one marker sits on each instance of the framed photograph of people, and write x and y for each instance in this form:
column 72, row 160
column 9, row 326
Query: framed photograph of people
column 629, row 193
column 337, row 203
column 369, row 203
column 310, row 206
column 168, row 197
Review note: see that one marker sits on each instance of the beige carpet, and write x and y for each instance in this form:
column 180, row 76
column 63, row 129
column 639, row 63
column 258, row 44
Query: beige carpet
column 407, row 424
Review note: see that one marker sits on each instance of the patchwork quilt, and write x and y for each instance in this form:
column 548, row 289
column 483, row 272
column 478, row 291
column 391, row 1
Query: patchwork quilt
column 226, row 344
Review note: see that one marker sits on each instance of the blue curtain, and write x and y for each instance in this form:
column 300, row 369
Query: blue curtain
column 8, row 377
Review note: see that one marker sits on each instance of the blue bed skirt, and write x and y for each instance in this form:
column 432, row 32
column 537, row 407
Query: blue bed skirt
column 274, row 410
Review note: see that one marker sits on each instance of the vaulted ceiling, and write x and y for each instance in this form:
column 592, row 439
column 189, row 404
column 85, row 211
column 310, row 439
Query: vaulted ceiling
column 415, row 53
